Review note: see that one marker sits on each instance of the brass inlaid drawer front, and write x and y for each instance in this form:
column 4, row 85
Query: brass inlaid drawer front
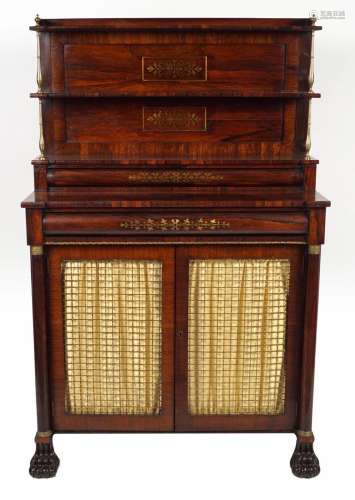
column 264, row 178
column 216, row 68
column 174, row 224
column 175, row 119
column 174, row 177
column 238, row 223
column 160, row 69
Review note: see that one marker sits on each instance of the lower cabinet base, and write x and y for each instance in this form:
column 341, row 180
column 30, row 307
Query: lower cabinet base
column 304, row 462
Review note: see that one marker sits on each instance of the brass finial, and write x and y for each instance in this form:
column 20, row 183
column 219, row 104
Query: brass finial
column 37, row 19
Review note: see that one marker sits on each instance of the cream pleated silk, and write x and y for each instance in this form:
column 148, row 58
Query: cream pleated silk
column 112, row 323
column 236, row 336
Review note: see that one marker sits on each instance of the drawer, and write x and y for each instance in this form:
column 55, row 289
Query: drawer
column 114, row 68
column 239, row 177
column 177, row 223
column 146, row 63
column 172, row 120
column 171, row 128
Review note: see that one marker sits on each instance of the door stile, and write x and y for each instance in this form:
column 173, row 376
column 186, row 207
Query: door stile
column 181, row 362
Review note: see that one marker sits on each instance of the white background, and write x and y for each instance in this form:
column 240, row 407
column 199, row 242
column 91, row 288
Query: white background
column 181, row 466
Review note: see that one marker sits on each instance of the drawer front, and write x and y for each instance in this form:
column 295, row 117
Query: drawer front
column 112, row 121
column 170, row 128
column 117, row 67
column 179, row 223
column 241, row 177
column 176, row 62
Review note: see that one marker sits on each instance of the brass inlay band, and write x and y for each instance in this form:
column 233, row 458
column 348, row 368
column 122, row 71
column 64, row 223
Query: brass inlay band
column 36, row 250
column 174, row 177
column 304, row 433
column 175, row 119
column 314, row 249
column 164, row 69
column 174, row 224
column 44, row 434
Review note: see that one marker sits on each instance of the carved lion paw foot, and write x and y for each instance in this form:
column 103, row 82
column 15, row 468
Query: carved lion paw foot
column 44, row 463
column 304, row 462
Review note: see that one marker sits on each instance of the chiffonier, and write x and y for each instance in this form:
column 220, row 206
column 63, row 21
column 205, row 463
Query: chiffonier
column 174, row 229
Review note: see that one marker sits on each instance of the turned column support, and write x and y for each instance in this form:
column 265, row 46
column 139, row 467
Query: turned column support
column 309, row 337
column 44, row 462
column 304, row 463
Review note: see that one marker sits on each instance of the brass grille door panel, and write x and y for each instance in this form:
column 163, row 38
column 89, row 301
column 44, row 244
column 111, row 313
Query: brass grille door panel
column 236, row 336
column 113, row 341
column 240, row 306
column 112, row 322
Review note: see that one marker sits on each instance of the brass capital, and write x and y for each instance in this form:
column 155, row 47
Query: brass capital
column 314, row 249
column 44, row 434
column 36, row 250
column 304, row 433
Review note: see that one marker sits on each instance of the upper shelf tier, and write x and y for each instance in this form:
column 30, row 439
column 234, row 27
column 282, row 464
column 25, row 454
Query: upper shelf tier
column 218, row 24
column 249, row 63
column 182, row 91
column 174, row 128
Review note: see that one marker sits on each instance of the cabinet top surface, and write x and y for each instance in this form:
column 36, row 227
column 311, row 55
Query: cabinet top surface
column 201, row 24
column 101, row 199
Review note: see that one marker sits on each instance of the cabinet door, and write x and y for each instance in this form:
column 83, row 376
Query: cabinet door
column 239, row 324
column 111, row 337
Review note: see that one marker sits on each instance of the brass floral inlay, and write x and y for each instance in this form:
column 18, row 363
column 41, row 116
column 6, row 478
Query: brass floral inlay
column 174, row 119
column 174, row 224
column 176, row 69
column 174, row 177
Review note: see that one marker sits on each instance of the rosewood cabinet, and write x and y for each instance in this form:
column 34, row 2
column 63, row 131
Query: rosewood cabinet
column 175, row 230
